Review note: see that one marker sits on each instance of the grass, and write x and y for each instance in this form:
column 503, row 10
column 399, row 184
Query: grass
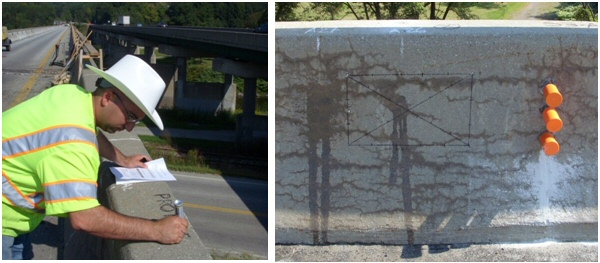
column 232, row 256
column 504, row 11
column 187, row 161
column 187, row 155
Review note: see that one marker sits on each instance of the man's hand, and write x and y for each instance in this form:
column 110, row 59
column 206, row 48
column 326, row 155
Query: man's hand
column 105, row 223
column 172, row 230
column 135, row 161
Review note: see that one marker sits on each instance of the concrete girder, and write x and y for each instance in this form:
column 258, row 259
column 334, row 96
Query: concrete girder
column 183, row 52
column 240, row 68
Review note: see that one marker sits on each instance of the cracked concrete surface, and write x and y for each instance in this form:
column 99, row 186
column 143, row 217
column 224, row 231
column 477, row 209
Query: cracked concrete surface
column 426, row 132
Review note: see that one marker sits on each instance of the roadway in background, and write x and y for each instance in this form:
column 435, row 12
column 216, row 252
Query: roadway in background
column 26, row 69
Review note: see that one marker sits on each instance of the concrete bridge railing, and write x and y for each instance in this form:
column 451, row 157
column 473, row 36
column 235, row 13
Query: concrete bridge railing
column 18, row 34
column 426, row 132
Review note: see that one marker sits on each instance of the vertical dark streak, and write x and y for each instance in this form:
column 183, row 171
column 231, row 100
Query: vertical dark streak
column 312, row 189
column 325, row 188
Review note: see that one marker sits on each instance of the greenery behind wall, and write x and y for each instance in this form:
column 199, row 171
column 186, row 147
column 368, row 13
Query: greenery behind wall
column 296, row 11
column 219, row 14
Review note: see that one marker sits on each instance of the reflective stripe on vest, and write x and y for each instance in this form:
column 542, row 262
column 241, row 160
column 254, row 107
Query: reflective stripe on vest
column 12, row 193
column 43, row 139
column 63, row 191
column 37, row 141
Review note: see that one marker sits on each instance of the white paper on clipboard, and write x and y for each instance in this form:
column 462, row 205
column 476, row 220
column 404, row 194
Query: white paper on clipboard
column 156, row 171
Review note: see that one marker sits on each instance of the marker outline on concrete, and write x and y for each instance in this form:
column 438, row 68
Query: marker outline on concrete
column 456, row 141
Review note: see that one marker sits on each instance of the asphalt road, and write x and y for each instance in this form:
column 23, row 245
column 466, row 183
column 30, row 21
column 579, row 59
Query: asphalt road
column 229, row 214
column 26, row 69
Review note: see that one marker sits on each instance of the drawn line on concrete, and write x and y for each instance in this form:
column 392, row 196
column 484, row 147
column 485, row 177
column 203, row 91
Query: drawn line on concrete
column 408, row 110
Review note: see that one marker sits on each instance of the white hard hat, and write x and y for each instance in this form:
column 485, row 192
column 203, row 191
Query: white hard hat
column 139, row 82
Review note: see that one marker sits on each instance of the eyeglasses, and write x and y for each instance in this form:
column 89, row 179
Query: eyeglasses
column 131, row 118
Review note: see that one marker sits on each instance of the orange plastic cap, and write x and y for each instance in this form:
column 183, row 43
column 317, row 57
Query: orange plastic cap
column 549, row 144
column 553, row 96
column 553, row 121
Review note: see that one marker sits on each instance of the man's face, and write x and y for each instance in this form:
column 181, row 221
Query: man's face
column 121, row 113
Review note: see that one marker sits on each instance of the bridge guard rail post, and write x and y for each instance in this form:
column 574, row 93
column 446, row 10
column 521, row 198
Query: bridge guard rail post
column 79, row 65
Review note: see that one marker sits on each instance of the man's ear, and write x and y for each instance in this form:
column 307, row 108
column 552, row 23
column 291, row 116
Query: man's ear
column 106, row 96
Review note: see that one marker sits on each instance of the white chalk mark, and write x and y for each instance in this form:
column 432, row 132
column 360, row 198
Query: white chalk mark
column 418, row 30
column 444, row 222
column 471, row 219
column 402, row 46
column 318, row 43
column 321, row 30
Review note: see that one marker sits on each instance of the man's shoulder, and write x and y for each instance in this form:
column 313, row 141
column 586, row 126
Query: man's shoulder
column 72, row 92
column 70, row 88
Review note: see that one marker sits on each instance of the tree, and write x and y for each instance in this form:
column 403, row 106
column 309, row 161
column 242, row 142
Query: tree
column 217, row 14
column 586, row 12
column 378, row 10
column 103, row 12
column 329, row 9
column 23, row 14
column 401, row 10
column 411, row 10
column 577, row 11
column 461, row 9
column 284, row 11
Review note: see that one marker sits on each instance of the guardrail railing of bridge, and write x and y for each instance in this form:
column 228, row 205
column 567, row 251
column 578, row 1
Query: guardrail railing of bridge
column 82, row 50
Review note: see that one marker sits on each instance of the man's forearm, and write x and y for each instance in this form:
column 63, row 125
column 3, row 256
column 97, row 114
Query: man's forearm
column 104, row 223
column 108, row 150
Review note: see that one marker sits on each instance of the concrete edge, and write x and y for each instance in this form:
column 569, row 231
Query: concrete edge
column 442, row 24
column 543, row 251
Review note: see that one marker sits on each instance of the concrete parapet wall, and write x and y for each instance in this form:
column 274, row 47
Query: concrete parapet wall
column 426, row 132
column 144, row 200
column 18, row 34
column 150, row 201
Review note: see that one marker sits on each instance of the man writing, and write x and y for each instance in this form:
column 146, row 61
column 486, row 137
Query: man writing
column 51, row 152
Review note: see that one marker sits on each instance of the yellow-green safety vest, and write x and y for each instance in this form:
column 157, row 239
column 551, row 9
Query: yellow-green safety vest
column 50, row 158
